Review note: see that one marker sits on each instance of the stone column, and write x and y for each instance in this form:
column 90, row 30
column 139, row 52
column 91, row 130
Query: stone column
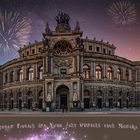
column 106, row 97
column 136, row 75
column 45, row 91
column 130, row 75
column 44, row 63
column 71, row 95
column 44, row 95
column 36, row 71
column 8, row 100
column 34, row 97
column 91, row 70
column 91, row 95
column 104, row 69
column 78, row 63
column 25, row 73
column 94, row 71
column 15, row 100
column 75, row 64
column 51, row 63
column 4, row 77
column 94, row 97
column 8, row 76
column 82, row 94
column 73, row 61
column 25, row 98
column 115, row 72
column 22, row 98
column 78, row 89
column 81, row 63
column 15, row 74
column 52, row 83
column 124, row 73
column 54, row 95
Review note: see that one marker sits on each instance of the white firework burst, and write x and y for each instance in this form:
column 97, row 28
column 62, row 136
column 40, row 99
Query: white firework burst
column 123, row 12
column 15, row 30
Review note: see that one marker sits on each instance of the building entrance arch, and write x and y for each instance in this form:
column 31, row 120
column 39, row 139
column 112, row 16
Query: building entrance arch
column 86, row 99
column 110, row 101
column 62, row 96
column 99, row 102
column 29, row 100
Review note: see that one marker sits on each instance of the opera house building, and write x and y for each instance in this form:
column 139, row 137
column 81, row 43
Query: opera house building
column 67, row 70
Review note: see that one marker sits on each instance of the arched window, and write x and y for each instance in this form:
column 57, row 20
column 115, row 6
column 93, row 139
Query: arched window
column 6, row 78
column 98, row 72
column 127, row 75
column 109, row 73
column 110, row 93
column 86, row 71
column 86, row 93
column 11, row 95
column 20, row 75
column 41, row 73
column 11, row 76
column 30, row 74
column 49, row 87
column 119, row 74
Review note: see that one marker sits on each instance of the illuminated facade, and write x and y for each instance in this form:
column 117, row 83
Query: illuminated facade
column 67, row 70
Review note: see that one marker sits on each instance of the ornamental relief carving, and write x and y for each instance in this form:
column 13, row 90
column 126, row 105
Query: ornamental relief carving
column 62, row 48
column 63, row 63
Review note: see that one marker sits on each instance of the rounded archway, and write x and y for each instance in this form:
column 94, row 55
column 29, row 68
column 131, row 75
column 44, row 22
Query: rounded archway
column 99, row 99
column 19, row 100
column 86, row 99
column 29, row 100
column 62, row 96
column 40, row 99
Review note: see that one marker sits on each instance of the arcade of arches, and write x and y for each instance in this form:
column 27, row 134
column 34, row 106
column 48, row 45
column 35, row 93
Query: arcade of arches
column 96, row 99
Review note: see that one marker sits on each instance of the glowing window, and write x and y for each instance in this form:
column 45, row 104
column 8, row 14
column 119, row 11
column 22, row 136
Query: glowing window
column 119, row 74
column 86, row 71
column 98, row 72
column 109, row 73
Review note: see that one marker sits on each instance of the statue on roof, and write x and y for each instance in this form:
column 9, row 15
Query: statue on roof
column 62, row 20
column 47, row 29
column 77, row 28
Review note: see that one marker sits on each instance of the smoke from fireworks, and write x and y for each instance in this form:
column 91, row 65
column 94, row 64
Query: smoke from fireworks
column 15, row 30
column 123, row 12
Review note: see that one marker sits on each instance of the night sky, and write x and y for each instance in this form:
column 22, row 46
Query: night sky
column 94, row 18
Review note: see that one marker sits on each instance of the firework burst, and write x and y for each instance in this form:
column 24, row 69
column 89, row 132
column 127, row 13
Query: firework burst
column 51, row 134
column 123, row 12
column 15, row 30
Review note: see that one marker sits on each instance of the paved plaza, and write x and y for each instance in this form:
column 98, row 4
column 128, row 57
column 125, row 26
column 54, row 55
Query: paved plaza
column 82, row 113
column 103, row 125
